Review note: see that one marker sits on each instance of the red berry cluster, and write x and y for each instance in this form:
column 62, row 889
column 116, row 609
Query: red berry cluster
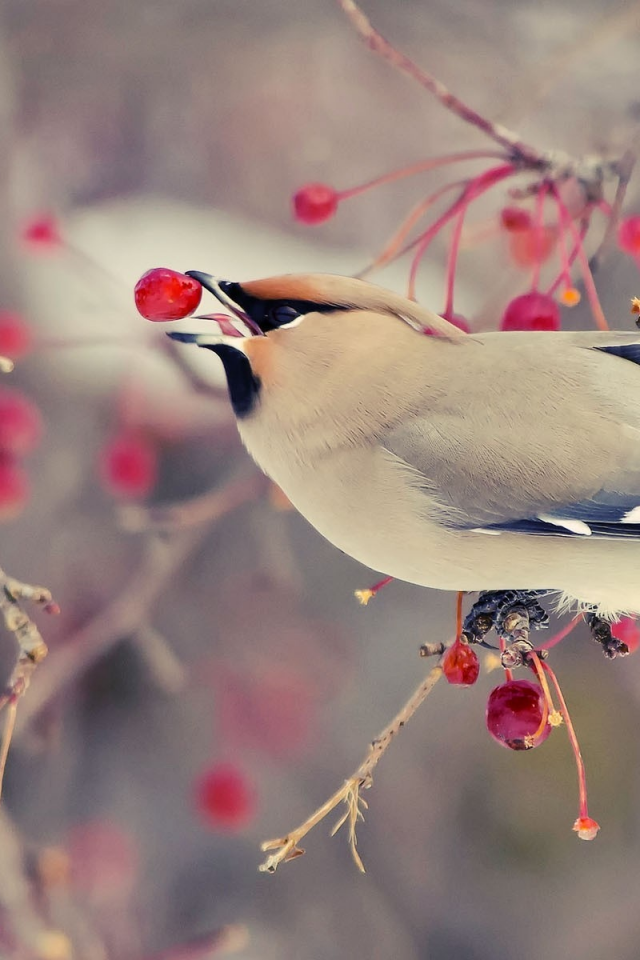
column 541, row 228
column 20, row 431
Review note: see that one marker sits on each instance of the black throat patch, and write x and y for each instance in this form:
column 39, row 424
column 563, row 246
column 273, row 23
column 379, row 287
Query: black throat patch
column 244, row 386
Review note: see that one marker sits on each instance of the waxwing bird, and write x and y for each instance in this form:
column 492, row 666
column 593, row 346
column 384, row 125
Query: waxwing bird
column 484, row 462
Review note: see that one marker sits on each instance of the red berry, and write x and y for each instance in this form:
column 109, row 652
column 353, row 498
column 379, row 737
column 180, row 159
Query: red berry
column 627, row 631
column 514, row 219
column 15, row 335
column 20, row 423
column 629, row 236
column 14, row 488
column 224, row 797
column 531, row 311
column 163, row 294
column 315, row 203
column 42, row 232
column 129, row 465
column 460, row 664
column 514, row 714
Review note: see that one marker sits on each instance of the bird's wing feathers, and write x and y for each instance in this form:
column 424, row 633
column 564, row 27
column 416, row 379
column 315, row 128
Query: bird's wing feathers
column 553, row 451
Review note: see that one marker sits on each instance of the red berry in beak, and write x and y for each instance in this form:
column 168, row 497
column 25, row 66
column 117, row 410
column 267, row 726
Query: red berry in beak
column 163, row 294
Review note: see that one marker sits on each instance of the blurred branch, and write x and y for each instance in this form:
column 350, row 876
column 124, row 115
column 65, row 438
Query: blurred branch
column 192, row 513
column 128, row 612
column 286, row 848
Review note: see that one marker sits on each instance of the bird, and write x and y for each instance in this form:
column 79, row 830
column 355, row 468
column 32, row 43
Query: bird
column 484, row 462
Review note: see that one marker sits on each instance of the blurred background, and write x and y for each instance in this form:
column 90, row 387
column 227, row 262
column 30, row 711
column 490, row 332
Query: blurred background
column 211, row 678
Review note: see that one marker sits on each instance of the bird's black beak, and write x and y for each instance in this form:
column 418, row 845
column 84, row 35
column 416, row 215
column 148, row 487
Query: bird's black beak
column 223, row 290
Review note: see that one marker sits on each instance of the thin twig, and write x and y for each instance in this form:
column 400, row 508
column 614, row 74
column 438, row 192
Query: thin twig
column 376, row 42
column 31, row 650
column 287, row 847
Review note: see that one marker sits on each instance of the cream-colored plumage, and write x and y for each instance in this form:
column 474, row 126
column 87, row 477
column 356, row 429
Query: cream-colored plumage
column 453, row 462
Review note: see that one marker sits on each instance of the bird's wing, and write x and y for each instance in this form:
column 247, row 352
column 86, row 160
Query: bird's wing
column 550, row 448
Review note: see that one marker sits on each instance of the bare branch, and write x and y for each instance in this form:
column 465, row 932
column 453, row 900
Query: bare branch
column 287, row 847
column 517, row 149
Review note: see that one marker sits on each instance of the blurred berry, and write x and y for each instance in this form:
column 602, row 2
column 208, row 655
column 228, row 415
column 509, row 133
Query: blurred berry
column 531, row 246
column 514, row 219
column 163, row 294
column 273, row 713
column 315, row 203
column 42, row 233
column 224, row 797
column 514, row 715
column 531, row 311
column 15, row 335
column 629, row 235
column 103, row 858
column 20, row 423
column 14, row 488
column 129, row 465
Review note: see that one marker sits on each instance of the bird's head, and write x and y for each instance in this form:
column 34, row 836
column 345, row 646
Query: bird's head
column 269, row 308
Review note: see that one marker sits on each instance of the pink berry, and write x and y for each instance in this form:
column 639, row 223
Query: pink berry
column 514, row 219
column 514, row 715
column 315, row 203
column 20, row 423
column 530, row 245
column 42, row 232
column 531, row 311
column 163, row 294
column 15, row 335
column 14, row 488
column 629, row 235
column 224, row 797
column 460, row 664
column 129, row 465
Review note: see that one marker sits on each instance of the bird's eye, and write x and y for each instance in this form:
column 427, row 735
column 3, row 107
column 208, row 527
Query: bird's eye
column 282, row 314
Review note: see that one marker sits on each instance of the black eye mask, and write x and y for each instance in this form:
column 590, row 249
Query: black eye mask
column 271, row 314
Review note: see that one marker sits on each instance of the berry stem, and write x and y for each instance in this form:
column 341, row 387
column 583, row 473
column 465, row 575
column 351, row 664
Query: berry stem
column 538, row 228
column 592, row 293
column 571, row 258
column 582, row 779
column 422, row 166
column 561, row 634
column 393, row 248
column 375, row 41
column 508, row 674
column 475, row 188
column 549, row 706
column 452, row 262
column 365, row 595
column 459, row 601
